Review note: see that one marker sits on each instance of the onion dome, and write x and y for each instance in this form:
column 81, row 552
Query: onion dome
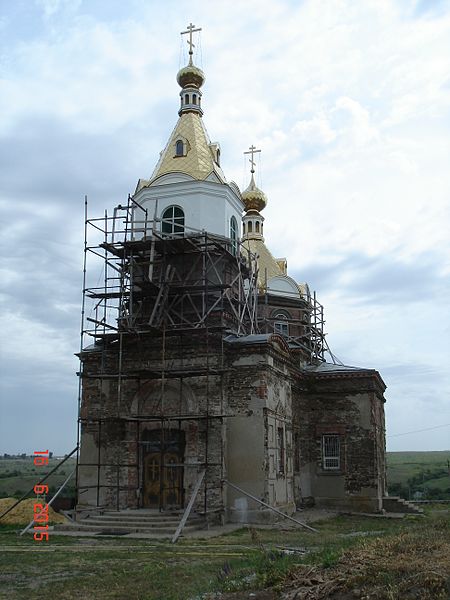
column 190, row 76
column 191, row 79
column 254, row 198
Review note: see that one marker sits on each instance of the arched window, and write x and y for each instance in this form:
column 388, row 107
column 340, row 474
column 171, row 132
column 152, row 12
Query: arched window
column 194, row 98
column 179, row 148
column 186, row 98
column 257, row 227
column 243, row 228
column 281, row 325
column 250, row 229
column 233, row 235
column 173, row 221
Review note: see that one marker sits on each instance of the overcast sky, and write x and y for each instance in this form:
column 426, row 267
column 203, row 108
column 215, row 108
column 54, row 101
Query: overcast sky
column 349, row 102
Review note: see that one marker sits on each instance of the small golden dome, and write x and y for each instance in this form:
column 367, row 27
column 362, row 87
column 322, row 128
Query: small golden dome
column 254, row 198
column 190, row 76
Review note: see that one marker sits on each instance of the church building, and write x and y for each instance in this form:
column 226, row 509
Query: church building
column 204, row 378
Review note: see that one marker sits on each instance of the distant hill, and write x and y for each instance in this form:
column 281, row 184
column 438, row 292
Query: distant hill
column 411, row 475
column 18, row 475
column 419, row 475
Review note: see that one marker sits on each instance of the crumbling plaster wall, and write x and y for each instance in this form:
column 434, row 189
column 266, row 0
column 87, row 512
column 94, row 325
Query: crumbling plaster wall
column 352, row 407
column 259, row 403
column 260, row 391
column 113, row 443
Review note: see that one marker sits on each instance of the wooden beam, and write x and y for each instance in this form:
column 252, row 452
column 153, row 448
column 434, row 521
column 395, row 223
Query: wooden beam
column 187, row 512
column 275, row 510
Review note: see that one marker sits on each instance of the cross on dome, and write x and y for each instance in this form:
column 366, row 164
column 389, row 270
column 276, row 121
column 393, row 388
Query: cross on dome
column 252, row 150
column 253, row 198
column 190, row 30
column 190, row 78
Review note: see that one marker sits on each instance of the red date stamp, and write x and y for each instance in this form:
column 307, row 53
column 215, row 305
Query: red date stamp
column 40, row 509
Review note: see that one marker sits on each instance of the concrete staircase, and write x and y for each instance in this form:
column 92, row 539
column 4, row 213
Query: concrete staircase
column 152, row 522
column 395, row 504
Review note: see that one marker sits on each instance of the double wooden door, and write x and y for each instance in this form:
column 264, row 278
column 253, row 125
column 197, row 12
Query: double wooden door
column 163, row 471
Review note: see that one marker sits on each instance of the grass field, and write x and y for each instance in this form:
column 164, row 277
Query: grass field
column 410, row 472
column 407, row 472
column 390, row 559
column 18, row 475
column 376, row 558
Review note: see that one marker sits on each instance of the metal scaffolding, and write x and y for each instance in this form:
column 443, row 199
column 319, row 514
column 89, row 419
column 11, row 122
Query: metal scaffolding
column 306, row 334
column 188, row 279
column 163, row 291
column 165, row 294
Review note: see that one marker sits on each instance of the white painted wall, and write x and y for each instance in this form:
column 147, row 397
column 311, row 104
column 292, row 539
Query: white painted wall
column 207, row 205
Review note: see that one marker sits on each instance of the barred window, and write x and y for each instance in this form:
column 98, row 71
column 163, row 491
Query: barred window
column 331, row 449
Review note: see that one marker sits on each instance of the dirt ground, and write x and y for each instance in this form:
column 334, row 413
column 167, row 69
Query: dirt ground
column 351, row 557
column 413, row 565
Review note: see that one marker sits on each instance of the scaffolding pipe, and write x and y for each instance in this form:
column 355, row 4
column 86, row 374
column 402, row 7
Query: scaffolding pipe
column 275, row 510
column 50, row 501
column 38, row 483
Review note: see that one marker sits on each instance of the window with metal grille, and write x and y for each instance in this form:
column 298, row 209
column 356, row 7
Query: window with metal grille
column 331, row 445
column 173, row 220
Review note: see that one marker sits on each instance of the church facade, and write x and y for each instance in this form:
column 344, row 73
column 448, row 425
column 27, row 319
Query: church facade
column 206, row 380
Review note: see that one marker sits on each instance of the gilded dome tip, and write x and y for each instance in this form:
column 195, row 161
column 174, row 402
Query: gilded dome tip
column 190, row 76
column 253, row 197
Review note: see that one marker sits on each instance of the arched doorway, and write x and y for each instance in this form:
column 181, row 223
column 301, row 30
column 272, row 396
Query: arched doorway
column 163, row 467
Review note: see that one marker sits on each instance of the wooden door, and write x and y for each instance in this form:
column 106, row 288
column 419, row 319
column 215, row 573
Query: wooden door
column 163, row 480
column 173, row 477
column 152, row 483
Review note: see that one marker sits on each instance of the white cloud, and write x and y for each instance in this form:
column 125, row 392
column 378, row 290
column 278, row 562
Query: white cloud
column 347, row 100
column 51, row 7
column 315, row 131
column 358, row 126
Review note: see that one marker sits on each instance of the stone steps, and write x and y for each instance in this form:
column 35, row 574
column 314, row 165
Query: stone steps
column 143, row 512
column 123, row 529
column 395, row 504
column 134, row 521
column 138, row 524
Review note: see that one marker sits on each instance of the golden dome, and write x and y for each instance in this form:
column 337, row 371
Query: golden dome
column 254, row 198
column 190, row 76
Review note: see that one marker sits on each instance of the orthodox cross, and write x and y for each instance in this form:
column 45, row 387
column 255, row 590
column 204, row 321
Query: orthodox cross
column 252, row 150
column 190, row 30
column 153, row 470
